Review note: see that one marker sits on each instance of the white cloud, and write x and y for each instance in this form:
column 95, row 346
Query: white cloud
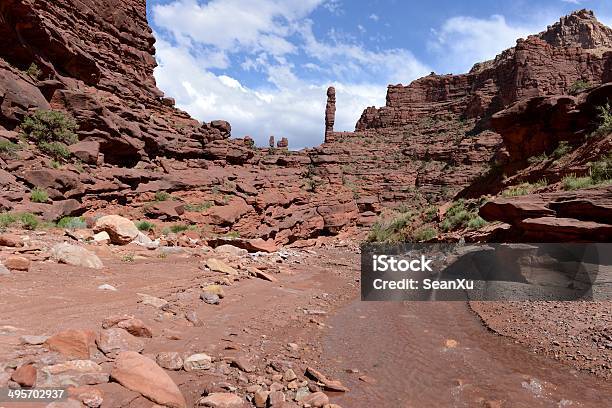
column 273, row 39
column 295, row 110
column 374, row 17
column 462, row 41
column 572, row 1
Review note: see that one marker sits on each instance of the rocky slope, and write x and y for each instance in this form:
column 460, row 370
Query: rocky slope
column 431, row 142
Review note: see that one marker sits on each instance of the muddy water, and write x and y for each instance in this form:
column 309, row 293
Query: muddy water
column 438, row 354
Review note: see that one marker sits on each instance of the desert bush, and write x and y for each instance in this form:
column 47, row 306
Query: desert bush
column 56, row 150
column 199, row 207
column 33, row 71
column 424, row 234
column 49, row 126
column 145, row 226
column 8, row 147
column 523, row 188
column 579, row 86
column 605, row 117
column 601, row 170
column 562, row 149
column 460, row 216
column 72, row 223
column 390, row 229
column 179, row 228
column 537, row 159
column 572, row 182
column 38, row 195
column 162, row 196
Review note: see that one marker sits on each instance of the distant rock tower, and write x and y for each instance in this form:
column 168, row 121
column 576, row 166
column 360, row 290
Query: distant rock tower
column 271, row 141
column 330, row 112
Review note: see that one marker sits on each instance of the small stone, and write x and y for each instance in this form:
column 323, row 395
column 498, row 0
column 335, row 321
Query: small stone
column 222, row 400
column 243, row 364
column 276, row 399
column 102, row 237
column 289, row 375
column 215, row 289
column 276, row 387
column 216, row 265
column 115, row 340
column 135, row 327
column 151, row 300
column 261, row 398
column 33, row 340
column 316, row 400
column 17, row 263
column 107, row 287
column 450, row 343
column 25, row 376
column 231, row 250
column 170, row 360
column 192, row 317
column 76, row 256
column 121, row 230
column 11, row 240
column 210, row 298
column 73, row 343
column 4, row 270
column 301, row 393
column 199, row 361
column 91, row 397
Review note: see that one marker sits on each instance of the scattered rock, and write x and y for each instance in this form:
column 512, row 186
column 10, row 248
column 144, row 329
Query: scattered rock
column 73, row 343
column 261, row 398
column 215, row 289
column 243, row 364
column 102, row 237
column 4, row 271
column 11, row 240
column 222, row 400
column 33, row 340
column 231, row 250
column 169, row 360
column 216, row 265
column 17, row 263
column 196, row 362
column 25, row 376
column 151, row 300
column 289, row 375
column 70, row 373
column 331, row 385
column 192, row 317
column 76, row 256
column 135, row 327
column 210, row 298
column 143, row 375
column 115, row 340
column 90, row 396
column 316, row 399
column 262, row 275
column 276, row 399
column 107, row 287
column 121, row 230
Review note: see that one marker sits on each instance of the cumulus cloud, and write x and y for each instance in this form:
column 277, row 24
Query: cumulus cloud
column 273, row 39
column 461, row 41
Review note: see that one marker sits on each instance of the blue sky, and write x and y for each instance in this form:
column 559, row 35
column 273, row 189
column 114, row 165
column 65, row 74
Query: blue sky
column 264, row 65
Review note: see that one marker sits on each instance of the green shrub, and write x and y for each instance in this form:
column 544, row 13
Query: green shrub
column 72, row 223
column 162, row 196
column 57, row 150
column 390, row 230
column 199, row 207
column 55, row 164
column 7, row 219
column 537, row 159
column 424, row 234
column 33, row 71
column 601, row 170
column 605, row 116
column 572, row 182
column 232, row 235
column 28, row 221
column 145, row 226
column 578, row 87
column 523, row 188
column 562, row 149
column 430, row 213
column 476, row 223
column 128, row 258
column 8, row 147
column 50, row 126
column 38, row 195
column 179, row 228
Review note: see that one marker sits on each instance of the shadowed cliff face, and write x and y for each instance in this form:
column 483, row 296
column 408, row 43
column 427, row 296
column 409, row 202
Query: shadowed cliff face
column 94, row 60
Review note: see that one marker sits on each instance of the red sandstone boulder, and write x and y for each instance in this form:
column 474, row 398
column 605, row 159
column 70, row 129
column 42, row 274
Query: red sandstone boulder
column 73, row 343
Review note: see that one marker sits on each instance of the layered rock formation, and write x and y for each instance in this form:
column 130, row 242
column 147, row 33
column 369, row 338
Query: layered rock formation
column 94, row 61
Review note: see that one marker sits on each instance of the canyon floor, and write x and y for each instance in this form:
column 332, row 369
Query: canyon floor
column 291, row 323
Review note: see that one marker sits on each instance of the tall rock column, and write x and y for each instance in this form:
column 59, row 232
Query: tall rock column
column 330, row 112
